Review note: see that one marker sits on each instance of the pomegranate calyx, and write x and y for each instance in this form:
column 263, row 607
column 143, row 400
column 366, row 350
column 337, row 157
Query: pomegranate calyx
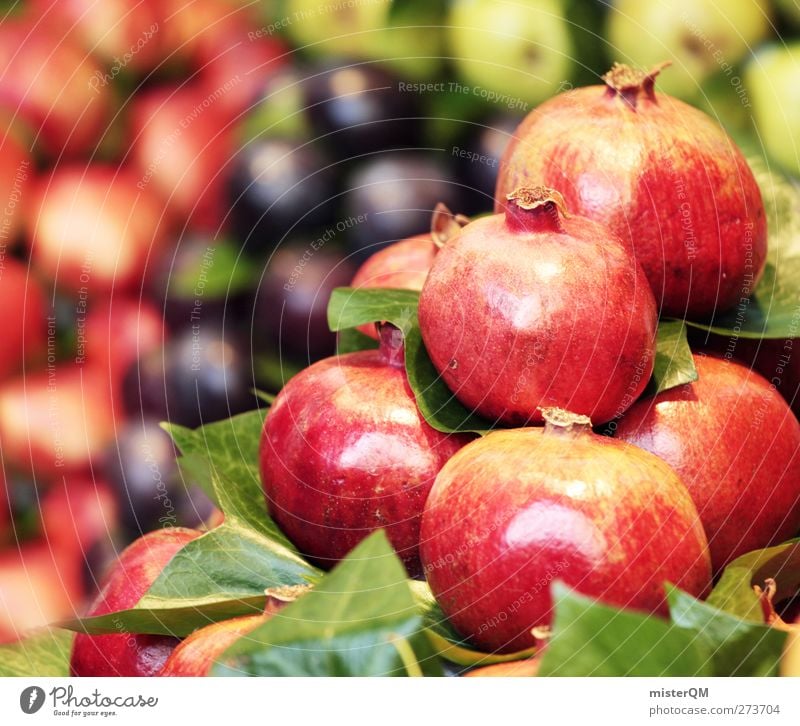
column 529, row 198
column 445, row 225
column 391, row 344
column 561, row 420
column 626, row 81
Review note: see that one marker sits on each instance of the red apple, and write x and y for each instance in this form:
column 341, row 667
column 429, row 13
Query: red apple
column 118, row 332
column 182, row 143
column 95, row 230
column 124, row 654
column 24, row 332
column 39, row 584
column 47, row 78
column 514, row 511
column 16, row 175
column 123, row 34
column 736, row 444
column 345, row 451
column 56, row 422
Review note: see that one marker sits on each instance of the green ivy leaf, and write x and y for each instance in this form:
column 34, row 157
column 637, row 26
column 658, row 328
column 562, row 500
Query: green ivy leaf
column 734, row 591
column 224, row 572
column 674, row 365
column 42, row 654
column 738, row 647
column 772, row 311
column 349, row 308
column 360, row 620
column 591, row 639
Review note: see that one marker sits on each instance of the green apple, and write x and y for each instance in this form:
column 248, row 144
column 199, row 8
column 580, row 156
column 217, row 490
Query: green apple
column 700, row 37
column 406, row 37
column 514, row 50
column 771, row 80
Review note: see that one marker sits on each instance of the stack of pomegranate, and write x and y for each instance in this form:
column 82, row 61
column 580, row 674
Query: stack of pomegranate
column 614, row 204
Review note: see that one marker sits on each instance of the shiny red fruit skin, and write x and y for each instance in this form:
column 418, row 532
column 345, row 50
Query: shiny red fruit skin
column 518, row 509
column 125, row 654
column 736, row 445
column 345, row 451
column 662, row 176
column 56, row 422
column 94, row 230
column 403, row 265
column 46, row 78
column 516, row 318
column 24, row 332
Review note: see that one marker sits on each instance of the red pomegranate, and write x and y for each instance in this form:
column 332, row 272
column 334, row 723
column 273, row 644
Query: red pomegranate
column 405, row 264
column 661, row 175
column 736, row 445
column 536, row 308
column 778, row 359
column 197, row 654
column 514, row 511
column 124, row 654
column 345, row 451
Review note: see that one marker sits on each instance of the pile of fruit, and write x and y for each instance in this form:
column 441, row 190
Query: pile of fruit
column 286, row 392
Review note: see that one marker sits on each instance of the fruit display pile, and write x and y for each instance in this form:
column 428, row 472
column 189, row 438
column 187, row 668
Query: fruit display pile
column 373, row 337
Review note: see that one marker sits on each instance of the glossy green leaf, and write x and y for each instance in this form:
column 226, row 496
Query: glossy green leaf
column 737, row 647
column 349, row 308
column 360, row 620
column 351, row 340
column 42, row 654
column 674, row 365
column 773, row 311
column 591, row 639
column 447, row 642
column 734, row 590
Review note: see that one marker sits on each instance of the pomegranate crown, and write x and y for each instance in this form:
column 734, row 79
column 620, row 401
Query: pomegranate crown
column 534, row 197
column 628, row 82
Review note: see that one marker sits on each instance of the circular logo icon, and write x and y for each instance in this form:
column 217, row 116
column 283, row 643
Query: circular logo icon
column 31, row 699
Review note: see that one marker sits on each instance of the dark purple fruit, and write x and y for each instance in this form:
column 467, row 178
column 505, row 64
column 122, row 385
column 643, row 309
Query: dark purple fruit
column 140, row 466
column 394, row 196
column 292, row 301
column 196, row 378
column 359, row 109
column 280, row 187
column 477, row 157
